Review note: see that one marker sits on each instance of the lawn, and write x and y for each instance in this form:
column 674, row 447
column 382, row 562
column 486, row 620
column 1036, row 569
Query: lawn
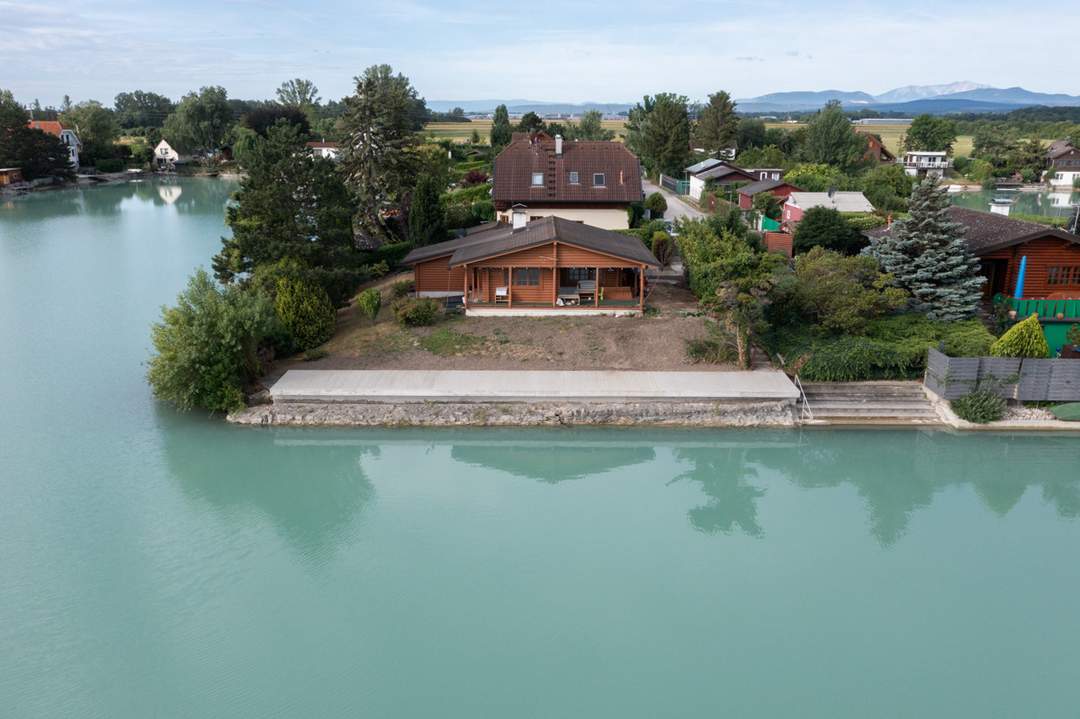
column 462, row 131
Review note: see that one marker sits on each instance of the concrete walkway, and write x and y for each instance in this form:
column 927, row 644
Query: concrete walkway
column 677, row 209
column 524, row 386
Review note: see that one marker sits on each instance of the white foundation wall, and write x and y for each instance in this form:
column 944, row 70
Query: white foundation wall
column 613, row 219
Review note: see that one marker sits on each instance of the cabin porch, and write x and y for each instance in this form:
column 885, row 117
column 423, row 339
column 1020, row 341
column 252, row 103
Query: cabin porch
column 569, row 289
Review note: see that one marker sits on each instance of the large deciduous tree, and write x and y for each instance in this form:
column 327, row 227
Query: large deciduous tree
column 932, row 134
column 590, row 127
column 291, row 206
column 827, row 228
column 658, row 131
column 201, row 121
column 501, row 131
column 380, row 124
column 717, row 124
column 926, row 254
column 96, row 127
column 142, row 109
column 299, row 93
column 831, row 140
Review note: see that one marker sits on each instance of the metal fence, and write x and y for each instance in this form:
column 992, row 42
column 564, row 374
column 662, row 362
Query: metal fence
column 679, row 187
column 1027, row 380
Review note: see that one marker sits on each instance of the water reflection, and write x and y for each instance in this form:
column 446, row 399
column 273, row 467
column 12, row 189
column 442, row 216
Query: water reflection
column 312, row 493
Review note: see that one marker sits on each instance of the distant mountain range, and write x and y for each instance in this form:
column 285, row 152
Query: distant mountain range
column 953, row 97
column 935, row 99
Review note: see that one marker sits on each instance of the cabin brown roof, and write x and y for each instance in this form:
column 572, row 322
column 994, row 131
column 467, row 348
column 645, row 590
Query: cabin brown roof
column 760, row 186
column 504, row 239
column 987, row 231
column 515, row 165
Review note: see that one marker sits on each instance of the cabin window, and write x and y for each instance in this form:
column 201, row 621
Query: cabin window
column 1066, row 275
column 598, row 179
column 576, row 274
column 575, row 178
column 527, row 276
column 538, row 179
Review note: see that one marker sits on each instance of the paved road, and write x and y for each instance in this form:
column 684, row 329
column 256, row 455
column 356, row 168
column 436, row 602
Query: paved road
column 677, row 209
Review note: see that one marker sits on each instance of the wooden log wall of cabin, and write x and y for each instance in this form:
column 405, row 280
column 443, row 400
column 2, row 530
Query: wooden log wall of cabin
column 510, row 290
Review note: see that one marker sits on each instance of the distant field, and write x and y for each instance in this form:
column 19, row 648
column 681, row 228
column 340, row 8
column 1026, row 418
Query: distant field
column 892, row 136
column 462, row 131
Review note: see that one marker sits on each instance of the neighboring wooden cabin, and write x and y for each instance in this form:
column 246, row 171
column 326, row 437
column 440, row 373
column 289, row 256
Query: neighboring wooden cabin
column 1053, row 255
column 777, row 188
column 10, row 176
column 550, row 265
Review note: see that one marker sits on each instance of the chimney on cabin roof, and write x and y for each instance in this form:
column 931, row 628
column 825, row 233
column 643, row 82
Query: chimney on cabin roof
column 558, row 146
column 519, row 217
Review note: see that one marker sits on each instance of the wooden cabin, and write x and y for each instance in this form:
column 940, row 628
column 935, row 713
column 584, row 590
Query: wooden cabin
column 1000, row 243
column 547, row 266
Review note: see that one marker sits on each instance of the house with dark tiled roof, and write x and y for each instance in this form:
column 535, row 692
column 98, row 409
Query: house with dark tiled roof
column 549, row 265
column 580, row 180
column 1052, row 267
column 66, row 135
column 1062, row 164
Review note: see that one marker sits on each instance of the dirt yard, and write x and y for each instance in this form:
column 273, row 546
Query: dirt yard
column 656, row 341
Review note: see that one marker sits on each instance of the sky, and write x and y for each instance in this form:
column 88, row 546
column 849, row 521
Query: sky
column 552, row 51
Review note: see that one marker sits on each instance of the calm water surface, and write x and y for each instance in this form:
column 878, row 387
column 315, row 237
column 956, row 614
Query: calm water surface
column 156, row 564
column 1046, row 203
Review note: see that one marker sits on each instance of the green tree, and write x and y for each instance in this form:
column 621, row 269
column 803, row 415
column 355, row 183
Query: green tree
column 142, row 109
column 768, row 205
column 815, row 177
column 1024, row 339
column 768, row 156
column 207, row 346
column 831, row 140
column 658, row 131
column 717, row 124
column 656, row 204
column 426, row 219
column 531, row 122
column 750, row 134
column 590, row 127
column 12, row 114
column 887, row 187
column 293, row 206
column 927, row 255
column 501, row 132
column 299, row 93
column 305, row 311
column 262, row 118
column 96, row 127
column 827, row 228
column 201, row 122
column 930, row 134
column 380, row 123
column 36, row 153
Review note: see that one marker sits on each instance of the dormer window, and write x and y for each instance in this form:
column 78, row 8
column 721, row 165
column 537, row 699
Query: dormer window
column 598, row 180
column 575, row 178
column 538, row 179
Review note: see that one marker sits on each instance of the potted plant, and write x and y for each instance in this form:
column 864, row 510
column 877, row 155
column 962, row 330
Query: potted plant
column 1071, row 348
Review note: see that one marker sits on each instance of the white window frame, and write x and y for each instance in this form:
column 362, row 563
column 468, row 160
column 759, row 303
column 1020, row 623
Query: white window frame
column 574, row 178
column 603, row 179
column 538, row 175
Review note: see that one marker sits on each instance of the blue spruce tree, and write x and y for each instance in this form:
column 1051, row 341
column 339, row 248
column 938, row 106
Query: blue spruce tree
column 927, row 256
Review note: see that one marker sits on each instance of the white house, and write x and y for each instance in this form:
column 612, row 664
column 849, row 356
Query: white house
column 328, row 150
column 66, row 135
column 799, row 202
column 718, row 172
column 165, row 156
column 1063, row 164
column 921, row 163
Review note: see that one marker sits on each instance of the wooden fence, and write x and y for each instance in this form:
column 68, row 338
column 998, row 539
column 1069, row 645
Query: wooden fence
column 1027, row 380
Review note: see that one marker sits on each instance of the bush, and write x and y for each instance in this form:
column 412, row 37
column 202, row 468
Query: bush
column 416, row 311
column 1024, row 339
column 392, row 253
column 339, row 283
column 851, row 359
column 634, row 213
column 825, row 227
column 981, row 407
column 863, row 221
column 717, row 348
column 1073, row 336
column 482, row 211
column 474, row 177
column 369, row 302
column 662, row 248
column 208, row 345
column 304, row 310
column 400, row 289
column 316, row 353
column 109, row 165
column 656, row 205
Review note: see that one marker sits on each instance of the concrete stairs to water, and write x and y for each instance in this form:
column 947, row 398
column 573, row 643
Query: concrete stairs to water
column 880, row 403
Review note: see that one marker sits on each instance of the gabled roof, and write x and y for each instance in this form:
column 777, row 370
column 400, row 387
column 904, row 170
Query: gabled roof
column 843, row 201
column 53, row 127
column 515, row 165
column 1058, row 148
column 760, row 186
column 987, row 232
column 503, row 239
column 722, row 171
column 703, row 165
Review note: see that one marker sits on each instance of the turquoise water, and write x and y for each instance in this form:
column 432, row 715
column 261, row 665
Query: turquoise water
column 156, row 564
column 1052, row 204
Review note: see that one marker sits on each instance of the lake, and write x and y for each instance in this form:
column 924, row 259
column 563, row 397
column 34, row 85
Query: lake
column 1043, row 202
column 169, row 565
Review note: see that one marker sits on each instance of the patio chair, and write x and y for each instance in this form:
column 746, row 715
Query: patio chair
column 502, row 295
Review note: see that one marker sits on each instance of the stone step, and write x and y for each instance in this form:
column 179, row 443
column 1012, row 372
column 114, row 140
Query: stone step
column 881, row 396
column 870, row 412
column 882, row 407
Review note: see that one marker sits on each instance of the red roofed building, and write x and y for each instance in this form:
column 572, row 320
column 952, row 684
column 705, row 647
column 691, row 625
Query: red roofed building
column 584, row 181
column 68, row 137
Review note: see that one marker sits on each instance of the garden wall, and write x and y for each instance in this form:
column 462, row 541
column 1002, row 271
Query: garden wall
column 1027, row 380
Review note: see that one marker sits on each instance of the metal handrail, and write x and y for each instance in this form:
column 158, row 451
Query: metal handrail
column 805, row 413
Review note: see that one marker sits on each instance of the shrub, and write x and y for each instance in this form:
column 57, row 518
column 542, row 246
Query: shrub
column 981, row 407
column 304, row 310
column 316, row 353
column 459, row 216
column 634, row 213
column 851, row 359
column 482, row 211
column 379, row 269
column 662, row 248
column 864, row 221
column 208, row 345
column 718, row 347
column 474, row 177
column 109, row 165
column 392, row 253
column 340, row 283
column 825, row 227
column 1024, row 339
column 1073, row 335
column 656, row 205
column 370, row 301
column 400, row 289
column 416, row 311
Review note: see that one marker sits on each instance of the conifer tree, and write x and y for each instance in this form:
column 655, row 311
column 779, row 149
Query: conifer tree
column 927, row 256
column 426, row 221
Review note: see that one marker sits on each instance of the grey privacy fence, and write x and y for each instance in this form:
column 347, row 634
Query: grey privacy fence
column 1027, row 380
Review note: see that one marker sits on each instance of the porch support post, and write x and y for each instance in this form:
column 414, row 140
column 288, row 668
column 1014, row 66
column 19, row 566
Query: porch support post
column 510, row 288
column 465, row 298
column 641, row 288
column 554, row 274
column 596, row 290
